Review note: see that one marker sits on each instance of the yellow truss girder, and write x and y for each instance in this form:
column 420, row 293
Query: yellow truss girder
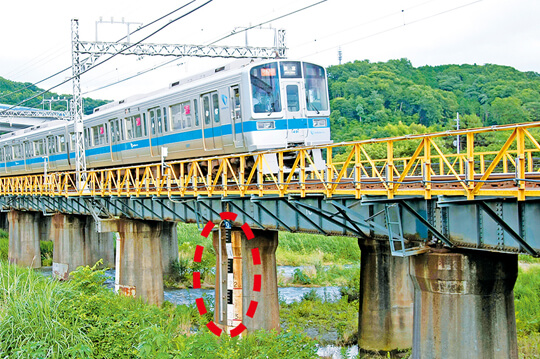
column 367, row 167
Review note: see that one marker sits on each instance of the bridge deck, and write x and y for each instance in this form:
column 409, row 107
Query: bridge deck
column 476, row 199
column 369, row 167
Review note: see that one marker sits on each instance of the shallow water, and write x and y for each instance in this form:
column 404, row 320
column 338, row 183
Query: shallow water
column 334, row 352
column 286, row 294
column 188, row 296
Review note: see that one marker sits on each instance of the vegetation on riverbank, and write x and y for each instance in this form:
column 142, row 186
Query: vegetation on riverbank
column 80, row 318
column 42, row 318
column 322, row 257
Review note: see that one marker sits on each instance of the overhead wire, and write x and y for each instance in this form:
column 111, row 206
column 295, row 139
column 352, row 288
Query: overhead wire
column 113, row 55
column 266, row 22
column 124, row 37
column 132, row 76
column 396, row 27
column 368, row 22
column 211, row 43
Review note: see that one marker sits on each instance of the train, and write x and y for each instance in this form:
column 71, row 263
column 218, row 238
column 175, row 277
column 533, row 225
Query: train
column 242, row 107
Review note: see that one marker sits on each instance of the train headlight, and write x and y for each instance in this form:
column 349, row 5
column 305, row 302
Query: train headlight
column 266, row 125
column 319, row 122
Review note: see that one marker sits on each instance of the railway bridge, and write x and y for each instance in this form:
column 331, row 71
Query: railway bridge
column 439, row 232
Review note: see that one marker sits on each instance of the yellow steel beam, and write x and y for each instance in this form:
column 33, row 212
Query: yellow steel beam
column 368, row 168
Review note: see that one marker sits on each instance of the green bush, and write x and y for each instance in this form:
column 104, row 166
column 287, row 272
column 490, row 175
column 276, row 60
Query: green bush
column 526, row 294
column 299, row 277
column 41, row 318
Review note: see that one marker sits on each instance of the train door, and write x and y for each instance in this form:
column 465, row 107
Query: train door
column 114, row 135
column 211, row 121
column 27, row 153
column 51, row 151
column 294, row 111
column 156, row 130
column 8, row 156
column 236, row 117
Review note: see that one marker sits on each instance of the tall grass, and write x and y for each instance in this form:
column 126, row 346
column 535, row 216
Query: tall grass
column 293, row 249
column 313, row 249
column 527, row 300
column 30, row 319
column 4, row 245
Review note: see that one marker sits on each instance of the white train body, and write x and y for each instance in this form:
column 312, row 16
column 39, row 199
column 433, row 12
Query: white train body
column 233, row 109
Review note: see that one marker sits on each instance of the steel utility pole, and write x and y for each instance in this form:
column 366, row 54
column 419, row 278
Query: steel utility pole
column 458, row 144
column 77, row 106
column 97, row 49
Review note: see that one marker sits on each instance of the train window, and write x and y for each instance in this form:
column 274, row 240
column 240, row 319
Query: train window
column 316, row 90
column 38, row 148
column 17, row 151
column 9, row 153
column 235, row 101
column 158, row 121
column 72, row 141
column 1, row 154
column 98, row 135
column 51, row 145
column 106, row 129
column 62, row 143
column 129, row 128
column 134, row 127
column 114, row 132
column 176, row 117
column 87, row 138
column 215, row 103
column 196, row 112
column 290, row 70
column 265, row 88
column 118, row 130
column 206, row 109
column 152, row 122
column 181, row 114
column 292, row 98
column 28, row 150
column 165, row 122
column 144, row 125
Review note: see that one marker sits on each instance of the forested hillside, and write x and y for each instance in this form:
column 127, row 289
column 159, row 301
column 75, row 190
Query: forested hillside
column 383, row 99
column 367, row 97
column 12, row 93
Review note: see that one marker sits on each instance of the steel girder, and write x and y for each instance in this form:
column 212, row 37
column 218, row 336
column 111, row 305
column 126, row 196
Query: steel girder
column 501, row 225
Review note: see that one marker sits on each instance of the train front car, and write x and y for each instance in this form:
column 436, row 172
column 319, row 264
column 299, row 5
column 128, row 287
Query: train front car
column 289, row 107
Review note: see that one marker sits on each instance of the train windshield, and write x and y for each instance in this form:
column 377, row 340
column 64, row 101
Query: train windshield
column 316, row 91
column 265, row 88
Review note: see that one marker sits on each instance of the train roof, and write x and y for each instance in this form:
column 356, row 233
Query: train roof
column 235, row 65
column 26, row 131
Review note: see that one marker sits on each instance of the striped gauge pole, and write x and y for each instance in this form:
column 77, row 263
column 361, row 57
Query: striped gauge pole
column 232, row 284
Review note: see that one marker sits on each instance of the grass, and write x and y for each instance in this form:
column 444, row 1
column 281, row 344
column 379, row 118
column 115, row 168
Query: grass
column 42, row 318
column 46, row 319
column 299, row 249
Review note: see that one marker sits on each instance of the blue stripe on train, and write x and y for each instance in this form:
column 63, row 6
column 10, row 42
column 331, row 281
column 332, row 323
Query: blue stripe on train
column 223, row 130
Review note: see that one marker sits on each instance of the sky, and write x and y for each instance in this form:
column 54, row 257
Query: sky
column 35, row 36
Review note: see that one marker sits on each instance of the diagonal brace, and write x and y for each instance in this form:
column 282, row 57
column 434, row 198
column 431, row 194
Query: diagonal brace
column 433, row 230
column 507, row 228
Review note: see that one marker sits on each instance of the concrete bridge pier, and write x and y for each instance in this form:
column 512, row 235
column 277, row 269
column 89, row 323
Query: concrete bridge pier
column 71, row 246
column 77, row 243
column 24, row 236
column 246, row 281
column 139, row 269
column 464, row 305
column 385, row 317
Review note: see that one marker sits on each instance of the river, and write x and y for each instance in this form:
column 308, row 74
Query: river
column 285, row 294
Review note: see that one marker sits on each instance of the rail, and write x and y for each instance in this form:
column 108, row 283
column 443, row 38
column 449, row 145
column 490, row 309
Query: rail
column 376, row 167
